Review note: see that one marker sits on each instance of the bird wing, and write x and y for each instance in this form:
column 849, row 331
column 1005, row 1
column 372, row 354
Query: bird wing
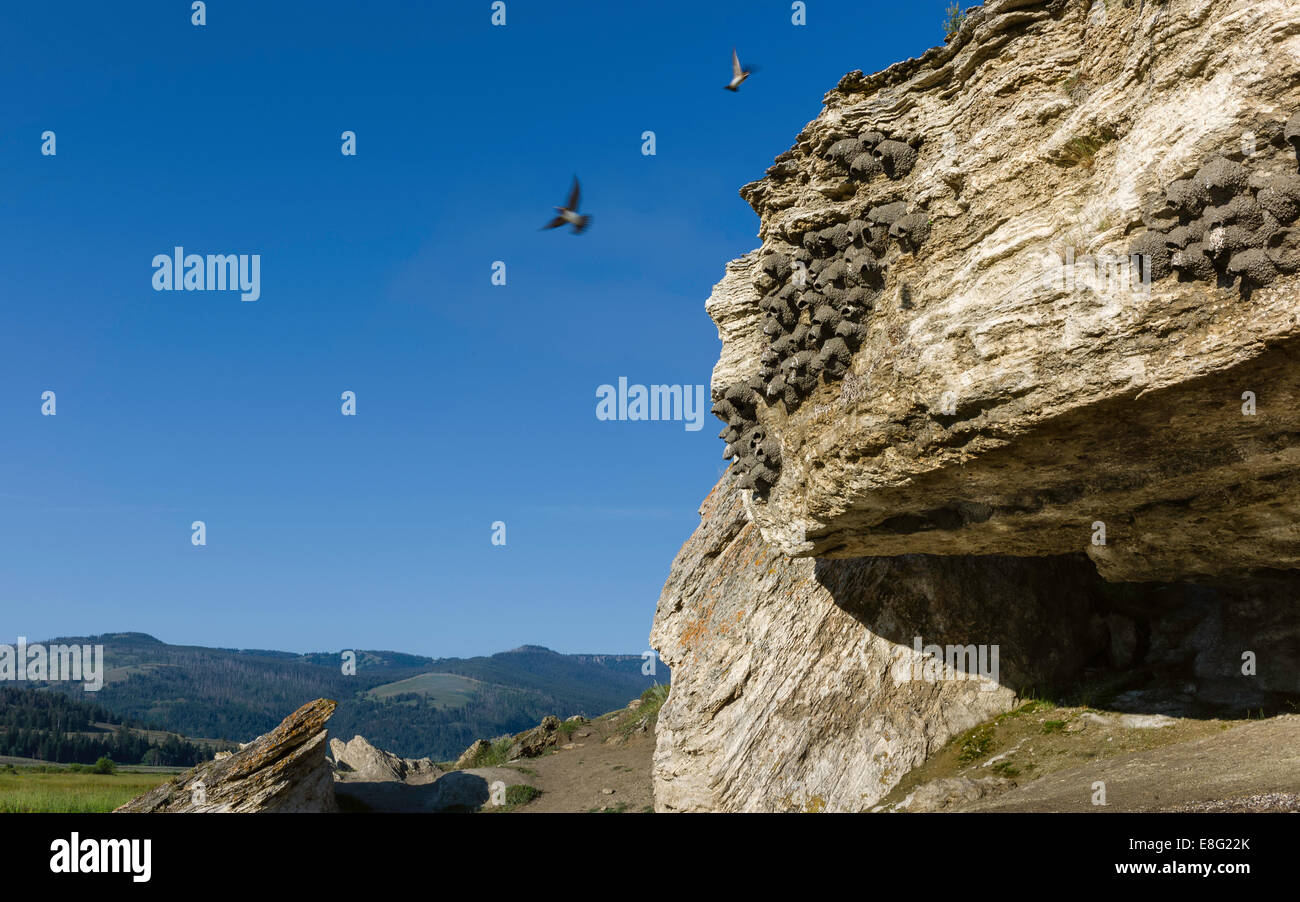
column 736, row 71
column 554, row 223
column 573, row 196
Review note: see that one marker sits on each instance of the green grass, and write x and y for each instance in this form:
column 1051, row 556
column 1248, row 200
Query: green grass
column 1030, row 707
column 62, row 791
column 517, row 796
column 1082, row 151
column 496, row 755
column 521, row 794
column 445, row 690
column 1006, row 769
column 1053, row 726
column 652, row 700
column 976, row 743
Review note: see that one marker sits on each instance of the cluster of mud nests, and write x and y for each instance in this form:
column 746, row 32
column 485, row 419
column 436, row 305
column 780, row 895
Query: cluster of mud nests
column 1230, row 222
column 817, row 294
column 1233, row 221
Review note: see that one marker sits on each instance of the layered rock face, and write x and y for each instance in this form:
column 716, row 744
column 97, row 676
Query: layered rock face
column 1012, row 367
column 792, row 678
column 943, row 344
column 284, row 771
column 797, row 685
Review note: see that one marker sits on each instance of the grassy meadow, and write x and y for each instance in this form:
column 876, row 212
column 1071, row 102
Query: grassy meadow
column 47, row 789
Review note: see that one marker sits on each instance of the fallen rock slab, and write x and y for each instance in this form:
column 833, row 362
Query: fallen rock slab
column 284, row 770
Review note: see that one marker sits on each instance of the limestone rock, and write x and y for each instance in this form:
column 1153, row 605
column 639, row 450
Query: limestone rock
column 359, row 760
column 956, row 411
column 998, row 399
column 283, row 771
column 531, row 743
column 795, row 682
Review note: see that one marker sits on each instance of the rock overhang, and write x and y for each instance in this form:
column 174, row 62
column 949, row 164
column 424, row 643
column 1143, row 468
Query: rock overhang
column 992, row 402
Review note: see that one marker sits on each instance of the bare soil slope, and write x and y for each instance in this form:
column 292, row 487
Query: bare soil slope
column 605, row 766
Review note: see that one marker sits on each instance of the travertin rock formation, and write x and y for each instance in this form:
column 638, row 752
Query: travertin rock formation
column 943, row 344
column 1013, row 367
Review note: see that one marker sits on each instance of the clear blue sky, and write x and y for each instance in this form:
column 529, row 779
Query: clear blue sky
column 475, row 403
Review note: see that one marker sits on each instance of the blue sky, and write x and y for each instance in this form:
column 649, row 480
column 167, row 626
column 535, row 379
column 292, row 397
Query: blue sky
column 475, row 403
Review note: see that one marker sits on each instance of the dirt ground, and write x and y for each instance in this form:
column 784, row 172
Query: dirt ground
column 1042, row 757
column 596, row 770
column 1253, row 766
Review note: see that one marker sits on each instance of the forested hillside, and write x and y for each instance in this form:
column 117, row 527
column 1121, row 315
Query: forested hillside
column 239, row 694
column 35, row 723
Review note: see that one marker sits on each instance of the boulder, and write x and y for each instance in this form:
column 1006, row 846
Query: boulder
column 283, row 771
column 358, row 760
column 532, row 743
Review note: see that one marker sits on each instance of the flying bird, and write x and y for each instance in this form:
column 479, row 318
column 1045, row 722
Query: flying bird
column 569, row 213
column 738, row 75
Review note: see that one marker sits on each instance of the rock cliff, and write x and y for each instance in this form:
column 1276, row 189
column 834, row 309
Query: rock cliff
column 943, row 344
column 1013, row 367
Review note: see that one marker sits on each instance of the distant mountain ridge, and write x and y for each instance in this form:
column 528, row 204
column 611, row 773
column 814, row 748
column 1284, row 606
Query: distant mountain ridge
column 238, row 694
